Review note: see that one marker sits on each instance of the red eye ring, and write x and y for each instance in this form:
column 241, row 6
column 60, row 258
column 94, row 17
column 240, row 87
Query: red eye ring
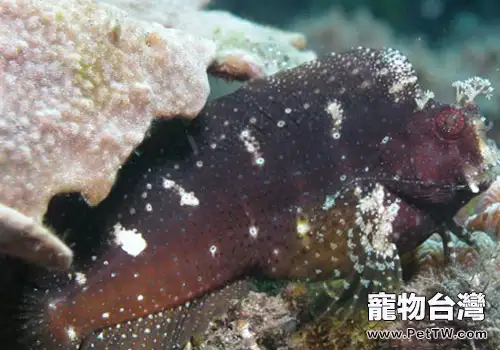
column 450, row 123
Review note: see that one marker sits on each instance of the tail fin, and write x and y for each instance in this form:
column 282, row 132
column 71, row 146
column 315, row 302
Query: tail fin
column 39, row 324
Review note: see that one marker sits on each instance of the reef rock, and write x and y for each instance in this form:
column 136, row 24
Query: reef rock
column 483, row 212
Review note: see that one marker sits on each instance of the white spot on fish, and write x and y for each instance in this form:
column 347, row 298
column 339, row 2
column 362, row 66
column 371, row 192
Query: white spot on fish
column 80, row 278
column 405, row 74
column 71, row 333
column 329, row 202
column 252, row 146
column 303, row 227
column 253, row 231
column 168, row 183
column 374, row 218
column 187, row 198
column 213, row 250
column 336, row 112
column 385, row 140
column 130, row 241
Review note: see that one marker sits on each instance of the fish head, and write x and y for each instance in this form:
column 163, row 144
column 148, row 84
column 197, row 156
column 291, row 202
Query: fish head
column 442, row 156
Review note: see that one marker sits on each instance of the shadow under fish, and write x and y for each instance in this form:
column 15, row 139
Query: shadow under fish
column 323, row 172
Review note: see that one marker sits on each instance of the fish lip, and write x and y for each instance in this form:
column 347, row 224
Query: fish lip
column 480, row 178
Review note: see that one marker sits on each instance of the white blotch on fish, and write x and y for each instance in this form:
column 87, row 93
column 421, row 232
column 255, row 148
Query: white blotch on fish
column 252, row 146
column 187, row 198
column 130, row 241
column 374, row 217
column 80, row 278
column 336, row 112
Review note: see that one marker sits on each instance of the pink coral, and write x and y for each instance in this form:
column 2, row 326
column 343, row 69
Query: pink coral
column 78, row 96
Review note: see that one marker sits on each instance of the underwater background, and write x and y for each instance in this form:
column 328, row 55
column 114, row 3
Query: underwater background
column 448, row 42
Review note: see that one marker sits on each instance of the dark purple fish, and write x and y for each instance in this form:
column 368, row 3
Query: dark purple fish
column 327, row 171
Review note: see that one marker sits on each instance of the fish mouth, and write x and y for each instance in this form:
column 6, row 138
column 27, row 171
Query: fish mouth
column 480, row 177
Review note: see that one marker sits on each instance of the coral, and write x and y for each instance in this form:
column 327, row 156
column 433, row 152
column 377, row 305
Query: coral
column 158, row 10
column 258, row 322
column 244, row 49
column 430, row 255
column 80, row 84
column 22, row 236
column 483, row 213
column 482, row 276
column 262, row 321
column 338, row 334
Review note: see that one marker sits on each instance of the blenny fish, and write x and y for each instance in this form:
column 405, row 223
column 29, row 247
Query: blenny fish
column 326, row 171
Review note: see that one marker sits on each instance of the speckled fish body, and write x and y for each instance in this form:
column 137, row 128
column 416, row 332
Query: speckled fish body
column 324, row 171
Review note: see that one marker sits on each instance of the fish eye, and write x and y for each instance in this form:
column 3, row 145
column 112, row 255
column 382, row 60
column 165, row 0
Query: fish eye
column 450, row 123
